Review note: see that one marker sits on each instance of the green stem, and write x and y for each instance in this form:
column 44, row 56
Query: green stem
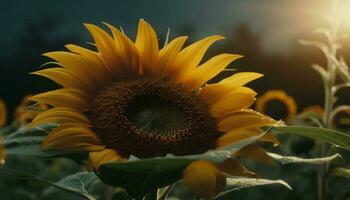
column 329, row 103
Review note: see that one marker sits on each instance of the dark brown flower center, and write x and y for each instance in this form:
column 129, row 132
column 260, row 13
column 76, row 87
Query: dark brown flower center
column 276, row 109
column 148, row 118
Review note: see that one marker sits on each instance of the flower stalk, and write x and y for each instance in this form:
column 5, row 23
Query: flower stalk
column 336, row 67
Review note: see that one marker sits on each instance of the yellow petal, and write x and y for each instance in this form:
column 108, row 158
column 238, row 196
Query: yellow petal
column 69, row 98
column 127, row 50
column 239, row 135
column 60, row 116
column 207, row 71
column 234, row 168
column 98, row 158
column 168, row 54
column 189, row 58
column 108, row 52
column 230, row 103
column 204, row 179
column 79, row 66
column 246, row 119
column 72, row 137
column 90, row 55
column 64, row 78
column 3, row 113
column 211, row 92
column 147, row 45
column 253, row 152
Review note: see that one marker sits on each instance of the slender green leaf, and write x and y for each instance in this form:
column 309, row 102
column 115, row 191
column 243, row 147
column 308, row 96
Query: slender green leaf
column 237, row 183
column 293, row 159
column 324, row 74
column 327, row 135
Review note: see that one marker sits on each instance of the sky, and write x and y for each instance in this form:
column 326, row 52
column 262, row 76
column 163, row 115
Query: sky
column 279, row 22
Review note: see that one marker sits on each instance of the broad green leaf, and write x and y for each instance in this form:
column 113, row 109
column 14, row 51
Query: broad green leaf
column 142, row 176
column 327, row 135
column 341, row 171
column 293, row 159
column 80, row 184
column 139, row 176
column 26, row 141
column 237, row 183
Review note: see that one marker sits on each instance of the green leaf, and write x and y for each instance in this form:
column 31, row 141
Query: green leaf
column 238, row 183
column 327, row 135
column 142, row 176
column 80, row 184
column 26, row 141
column 139, row 176
column 293, row 159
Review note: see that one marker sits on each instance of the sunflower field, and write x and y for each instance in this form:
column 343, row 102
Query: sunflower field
column 171, row 100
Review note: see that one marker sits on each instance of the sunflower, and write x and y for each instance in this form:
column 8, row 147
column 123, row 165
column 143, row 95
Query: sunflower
column 3, row 116
column 3, row 113
column 318, row 110
column 27, row 111
column 277, row 104
column 132, row 98
column 341, row 119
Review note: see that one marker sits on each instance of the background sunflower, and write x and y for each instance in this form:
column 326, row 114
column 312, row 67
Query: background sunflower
column 277, row 104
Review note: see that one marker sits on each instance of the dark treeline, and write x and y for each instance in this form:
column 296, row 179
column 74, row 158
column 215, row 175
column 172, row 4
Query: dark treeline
column 288, row 71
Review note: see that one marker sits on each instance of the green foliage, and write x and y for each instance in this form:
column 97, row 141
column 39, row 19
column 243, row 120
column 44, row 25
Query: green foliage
column 26, row 141
column 81, row 183
column 139, row 177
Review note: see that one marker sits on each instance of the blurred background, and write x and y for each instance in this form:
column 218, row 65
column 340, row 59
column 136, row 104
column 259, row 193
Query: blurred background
column 266, row 32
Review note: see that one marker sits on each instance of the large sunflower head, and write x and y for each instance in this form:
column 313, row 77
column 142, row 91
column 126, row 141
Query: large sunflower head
column 277, row 104
column 133, row 98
